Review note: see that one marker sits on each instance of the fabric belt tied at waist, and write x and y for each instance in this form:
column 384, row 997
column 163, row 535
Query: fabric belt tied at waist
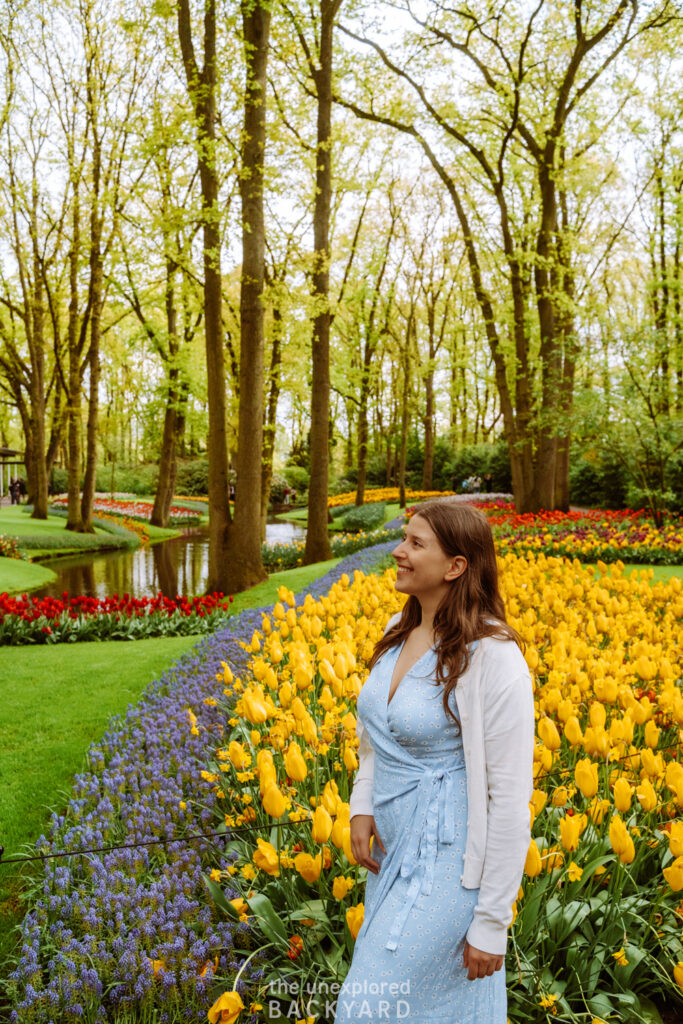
column 434, row 819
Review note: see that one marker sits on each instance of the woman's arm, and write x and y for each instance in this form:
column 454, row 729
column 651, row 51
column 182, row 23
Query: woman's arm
column 360, row 800
column 508, row 720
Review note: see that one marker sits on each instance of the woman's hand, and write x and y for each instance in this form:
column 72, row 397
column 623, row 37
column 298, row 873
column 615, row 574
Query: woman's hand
column 362, row 828
column 480, row 964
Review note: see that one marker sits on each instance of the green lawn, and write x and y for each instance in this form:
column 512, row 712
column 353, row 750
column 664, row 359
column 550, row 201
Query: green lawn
column 17, row 576
column 15, row 520
column 55, row 701
column 265, row 593
column 660, row 573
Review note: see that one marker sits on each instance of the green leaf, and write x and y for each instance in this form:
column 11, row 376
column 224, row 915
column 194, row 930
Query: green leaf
column 600, row 1005
column 220, row 899
column 314, row 909
column 271, row 925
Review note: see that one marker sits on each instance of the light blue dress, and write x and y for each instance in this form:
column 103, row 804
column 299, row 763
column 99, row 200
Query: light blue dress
column 407, row 961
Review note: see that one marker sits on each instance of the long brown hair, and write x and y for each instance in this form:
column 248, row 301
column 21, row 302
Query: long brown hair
column 472, row 600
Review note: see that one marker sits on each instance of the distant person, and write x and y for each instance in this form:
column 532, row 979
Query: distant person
column 14, row 492
column 488, row 483
column 293, row 496
column 287, row 495
column 22, row 488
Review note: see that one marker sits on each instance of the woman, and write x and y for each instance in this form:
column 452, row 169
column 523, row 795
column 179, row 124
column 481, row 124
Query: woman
column 439, row 808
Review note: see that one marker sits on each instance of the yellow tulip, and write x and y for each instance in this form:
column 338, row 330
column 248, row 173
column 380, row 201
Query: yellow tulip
column 240, row 905
column 265, row 858
column 330, row 797
column 538, row 799
column 346, row 845
column 678, row 974
column 623, row 794
column 255, row 709
column 350, row 759
column 322, row 825
column 572, row 731
column 239, row 757
column 652, row 734
column 295, row 765
column 303, row 677
column 621, row 841
column 532, row 864
column 646, row 795
column 308, row 867
column 674, row 874
column 341, row 886
column 274, row 801
column 570, row 831
column 586, row 775
column 354, row 918
column 597, row 715
column 676, row 839
column 226, row 1009
column 560, row 796
column 547, row 731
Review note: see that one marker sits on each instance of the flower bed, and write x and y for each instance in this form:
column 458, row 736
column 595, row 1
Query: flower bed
column 606, row 860
column 591, row 535
column 388, row 494
column 50, row 620
column 10, row 549
column 142, row 510
column 277, row 557
column 597, row 931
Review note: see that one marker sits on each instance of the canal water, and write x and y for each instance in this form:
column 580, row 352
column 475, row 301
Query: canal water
column 177, row 566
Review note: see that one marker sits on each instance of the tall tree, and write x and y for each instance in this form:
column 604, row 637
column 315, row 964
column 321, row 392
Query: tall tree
column 502, row 48
column 319, row 54
column 245, row 536
column 202, row 89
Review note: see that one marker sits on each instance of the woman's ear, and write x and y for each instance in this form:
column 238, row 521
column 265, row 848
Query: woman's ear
column 457, row 568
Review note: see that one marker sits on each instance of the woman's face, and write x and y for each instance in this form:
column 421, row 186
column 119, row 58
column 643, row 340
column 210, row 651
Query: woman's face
column 422, row 566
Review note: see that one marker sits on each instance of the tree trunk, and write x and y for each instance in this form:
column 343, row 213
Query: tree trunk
column 168, row 461
column 74, row 379
column 270, row 425
column 202, row 93
column 362, row 441
column 428, row 464
column 89, row 480
column 37, row 387
column 317, row 537
column 245, row 537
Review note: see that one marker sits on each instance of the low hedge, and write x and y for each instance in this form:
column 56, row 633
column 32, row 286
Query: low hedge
column 364, row 517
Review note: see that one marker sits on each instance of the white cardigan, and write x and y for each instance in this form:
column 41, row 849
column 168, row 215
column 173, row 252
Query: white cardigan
column 496, row 711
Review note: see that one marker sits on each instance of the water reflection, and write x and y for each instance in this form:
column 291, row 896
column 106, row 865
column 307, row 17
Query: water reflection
column 178, row 566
